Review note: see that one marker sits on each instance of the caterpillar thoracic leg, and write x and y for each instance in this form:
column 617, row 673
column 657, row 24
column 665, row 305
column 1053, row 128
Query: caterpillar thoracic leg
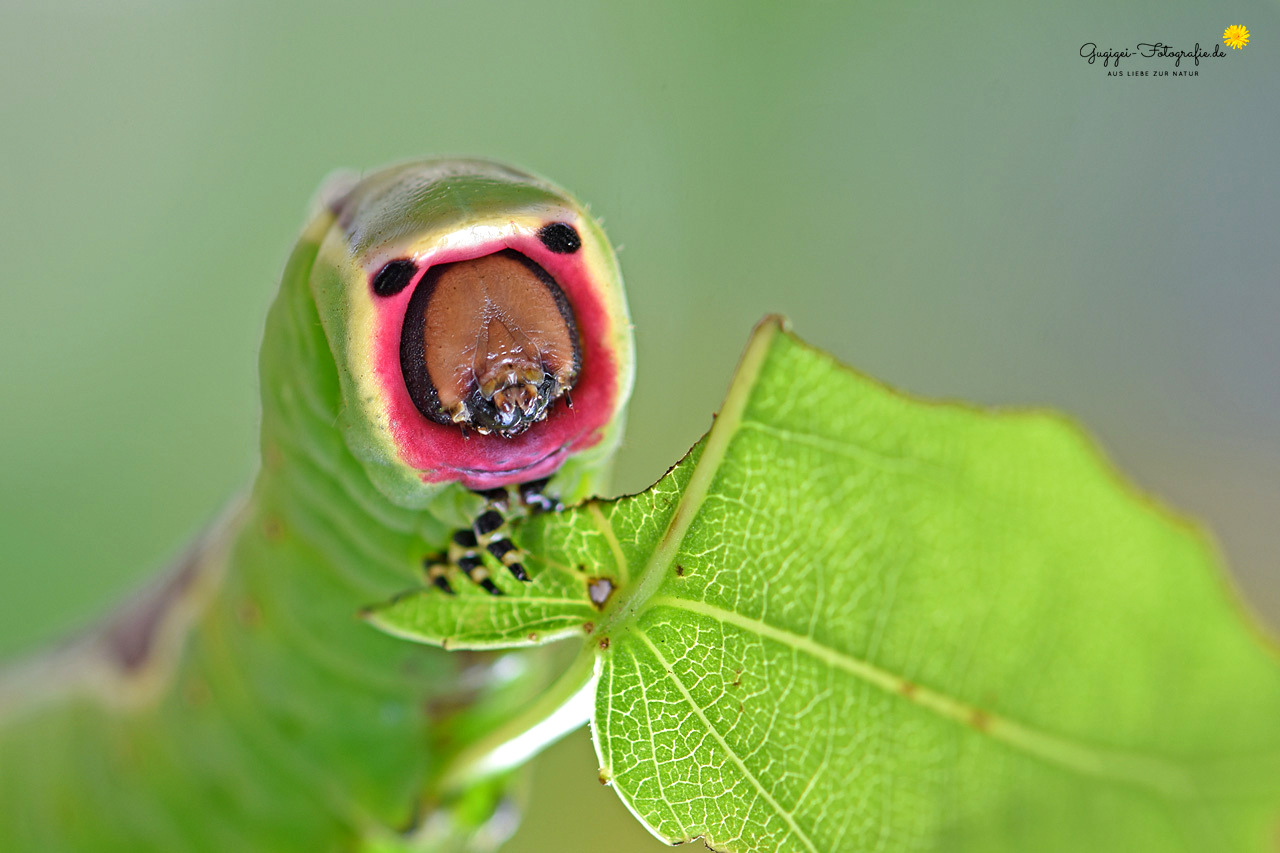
column 486, row 534
column 533, row 495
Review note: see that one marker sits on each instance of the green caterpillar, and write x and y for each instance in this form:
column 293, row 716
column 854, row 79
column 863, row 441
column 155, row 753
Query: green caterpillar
column 442, row 328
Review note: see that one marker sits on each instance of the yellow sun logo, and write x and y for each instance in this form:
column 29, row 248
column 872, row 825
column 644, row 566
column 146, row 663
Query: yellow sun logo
column 1236, row 37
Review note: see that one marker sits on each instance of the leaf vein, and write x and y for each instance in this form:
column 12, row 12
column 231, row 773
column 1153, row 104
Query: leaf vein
column 781, row 812
column 1157, row 774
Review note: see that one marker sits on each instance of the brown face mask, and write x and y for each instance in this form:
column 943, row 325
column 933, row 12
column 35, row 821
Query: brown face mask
column 489, row 344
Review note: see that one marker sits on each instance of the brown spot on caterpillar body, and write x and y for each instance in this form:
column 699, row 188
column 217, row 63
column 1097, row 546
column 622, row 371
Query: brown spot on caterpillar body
column 249, row 613
column 272, row 528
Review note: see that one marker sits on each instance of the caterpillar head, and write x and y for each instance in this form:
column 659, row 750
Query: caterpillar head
column 478, row 322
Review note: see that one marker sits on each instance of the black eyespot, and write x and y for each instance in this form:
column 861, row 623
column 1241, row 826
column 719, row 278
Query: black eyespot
column 560, row 238
column 394, row 277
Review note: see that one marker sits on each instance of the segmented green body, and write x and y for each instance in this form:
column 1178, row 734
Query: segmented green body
column 242, row 705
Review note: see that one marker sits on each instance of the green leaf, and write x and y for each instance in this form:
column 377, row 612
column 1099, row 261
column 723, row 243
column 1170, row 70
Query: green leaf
column 851, row 620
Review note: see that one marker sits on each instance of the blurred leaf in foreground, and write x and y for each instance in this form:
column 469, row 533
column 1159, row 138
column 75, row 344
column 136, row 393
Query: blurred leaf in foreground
column 850, row 620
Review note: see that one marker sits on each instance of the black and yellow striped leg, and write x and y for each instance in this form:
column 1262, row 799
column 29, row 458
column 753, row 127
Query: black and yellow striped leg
column 463, row 555
column 489, row 534
column 437, row 567
column 534, row 496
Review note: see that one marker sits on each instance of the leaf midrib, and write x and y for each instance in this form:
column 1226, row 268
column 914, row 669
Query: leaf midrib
column 1156, row 774
column 695, row 493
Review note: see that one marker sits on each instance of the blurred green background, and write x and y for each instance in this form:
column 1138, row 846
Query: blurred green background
column 948, row 198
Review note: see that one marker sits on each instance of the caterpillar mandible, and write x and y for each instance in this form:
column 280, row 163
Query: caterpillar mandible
column 443, row 328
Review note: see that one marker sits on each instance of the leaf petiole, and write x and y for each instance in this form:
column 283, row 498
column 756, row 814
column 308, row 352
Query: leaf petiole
column 563, row 708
